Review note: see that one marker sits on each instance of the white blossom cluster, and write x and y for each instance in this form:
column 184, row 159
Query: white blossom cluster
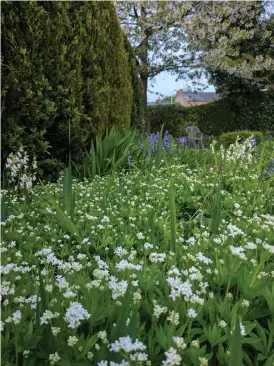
column 21, row 172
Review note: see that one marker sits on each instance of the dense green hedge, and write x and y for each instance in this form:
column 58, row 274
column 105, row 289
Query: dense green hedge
column 254, row 112
column 61, row 62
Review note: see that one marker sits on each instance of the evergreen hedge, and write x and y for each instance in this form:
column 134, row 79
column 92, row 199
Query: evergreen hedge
column 247, row 112
column 61, row 62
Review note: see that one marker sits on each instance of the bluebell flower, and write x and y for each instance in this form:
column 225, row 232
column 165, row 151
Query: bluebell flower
column 181, row 140
column 129, row 157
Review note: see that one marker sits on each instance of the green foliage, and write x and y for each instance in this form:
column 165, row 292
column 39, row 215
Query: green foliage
column 115, row 260
column 250, row 111
column 108, row 152
column 61, row 62
column 229, row 138
column 236, row 353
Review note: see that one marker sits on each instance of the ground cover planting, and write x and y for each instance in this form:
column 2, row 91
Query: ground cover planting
column 166, row 264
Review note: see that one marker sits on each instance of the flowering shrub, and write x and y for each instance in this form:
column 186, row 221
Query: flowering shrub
column 116, row 294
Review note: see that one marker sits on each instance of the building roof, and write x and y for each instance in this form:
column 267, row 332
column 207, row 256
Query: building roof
column 201, row 96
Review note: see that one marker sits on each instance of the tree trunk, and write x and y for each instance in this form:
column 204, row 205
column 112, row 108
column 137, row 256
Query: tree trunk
column 144, row 63
column 144, row 80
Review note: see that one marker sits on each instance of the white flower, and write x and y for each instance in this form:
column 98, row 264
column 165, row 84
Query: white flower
column 172, row 358
column 105, row 219
column 54, row 357
column 124, row 264
column 26, row 353
column 245, row 303
column 90, row 356
column 48, row 315
column 75, row 313
column 118, row 288
column 191, row 313
column 203, row 361
column 179, row 288
column 148, row 246
column 238, row 251
column 234, row 230
column 140, row 235
column 103, row 336
column 158, row 310
column 55, row 330
column 242, row 329
column 139, row 356
column 179, row 341
column 222, row 324
column 203, row 259
column 120, row 251
column 127, row 345
column 195, row 343
column 157, row 257
column 173, row 317
column 72, row 340
column 15, row 318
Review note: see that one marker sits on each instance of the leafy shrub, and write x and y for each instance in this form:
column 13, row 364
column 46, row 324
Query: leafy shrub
column 229, row 138
column 62, row 61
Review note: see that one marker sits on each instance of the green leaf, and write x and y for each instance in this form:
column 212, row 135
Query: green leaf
column 236, row 353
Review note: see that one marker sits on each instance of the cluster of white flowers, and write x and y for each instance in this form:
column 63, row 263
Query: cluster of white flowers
column 172, row 358
column 174, row 317
column 157, row 257
column 118, row 288
column 15, row 318
column 72, row 341
column 48, row 315
column 75, row 313
column 126, row 344
column 20, row 171
column 158, row 310
column 53, row 358
column 179, row 341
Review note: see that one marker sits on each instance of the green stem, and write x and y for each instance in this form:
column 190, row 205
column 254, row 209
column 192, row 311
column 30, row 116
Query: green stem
column 16, row 348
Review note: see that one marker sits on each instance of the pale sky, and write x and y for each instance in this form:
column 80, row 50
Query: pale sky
column 166, row 85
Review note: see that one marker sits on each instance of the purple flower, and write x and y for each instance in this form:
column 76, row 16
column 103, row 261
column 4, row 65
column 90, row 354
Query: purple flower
column 181, row 140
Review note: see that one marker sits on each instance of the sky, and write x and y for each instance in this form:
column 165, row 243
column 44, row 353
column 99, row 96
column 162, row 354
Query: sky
column 165, row 84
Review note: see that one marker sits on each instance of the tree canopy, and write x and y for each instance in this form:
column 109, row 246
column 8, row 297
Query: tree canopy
column 230, row 40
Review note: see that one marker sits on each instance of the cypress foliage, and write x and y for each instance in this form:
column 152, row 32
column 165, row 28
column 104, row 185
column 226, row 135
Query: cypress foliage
column 62, row 62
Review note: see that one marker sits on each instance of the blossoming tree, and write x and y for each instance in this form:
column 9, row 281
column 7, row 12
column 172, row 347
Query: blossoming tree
column 230, row 40
column 234, row 42
column 155, row 31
